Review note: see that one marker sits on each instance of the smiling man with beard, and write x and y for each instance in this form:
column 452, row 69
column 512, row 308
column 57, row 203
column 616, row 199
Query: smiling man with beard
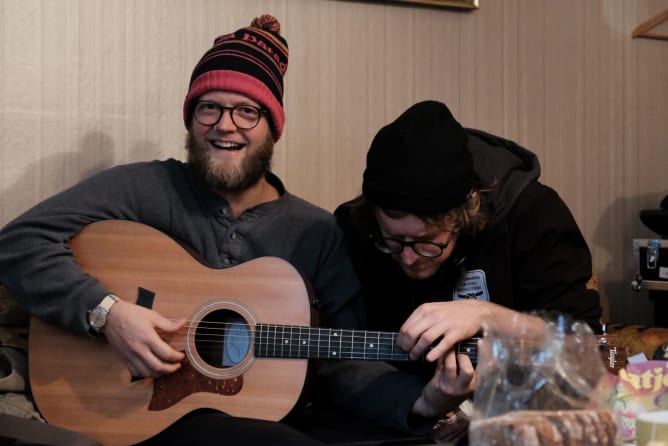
column 224, row 204
column 231, row 159
column 222, row 173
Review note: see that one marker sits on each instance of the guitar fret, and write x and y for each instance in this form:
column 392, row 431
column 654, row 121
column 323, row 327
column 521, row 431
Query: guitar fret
column 365, row 354
column 470, row 349
column 278, row 348
column 261, row 341
column 271, row 341
column 295, row 333
column 258, row 338
column 267, row 340
column 303, row 343
column 344, row 344
column 394, row 346
column 386, row 345
column 272, row 345
column 259, row 334
column 326, row 339
column 375, row 346
column 324, row 336
column 333, row 352
column 358, row 344
column 314, row 341
column 285, row 342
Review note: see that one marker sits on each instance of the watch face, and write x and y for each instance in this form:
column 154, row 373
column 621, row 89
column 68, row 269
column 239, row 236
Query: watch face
column 97, row 318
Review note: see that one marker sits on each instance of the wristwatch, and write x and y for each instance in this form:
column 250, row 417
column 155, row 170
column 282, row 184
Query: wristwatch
column 97, row 317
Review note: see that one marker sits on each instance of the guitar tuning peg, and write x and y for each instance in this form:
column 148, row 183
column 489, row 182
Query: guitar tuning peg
column 602, row 340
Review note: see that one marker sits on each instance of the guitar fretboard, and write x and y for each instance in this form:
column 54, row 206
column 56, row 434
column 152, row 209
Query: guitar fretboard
column 287, row 341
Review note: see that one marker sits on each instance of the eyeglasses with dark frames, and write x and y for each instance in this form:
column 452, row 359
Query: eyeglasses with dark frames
column 389, row 245
column 244, row 117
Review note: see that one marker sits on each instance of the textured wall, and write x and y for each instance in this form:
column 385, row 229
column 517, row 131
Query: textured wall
column 86, row 84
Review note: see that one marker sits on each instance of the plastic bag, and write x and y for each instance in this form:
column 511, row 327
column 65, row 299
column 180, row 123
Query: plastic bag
column 544, row 385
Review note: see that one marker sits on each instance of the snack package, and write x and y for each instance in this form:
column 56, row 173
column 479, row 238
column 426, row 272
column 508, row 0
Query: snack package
column 544, row 385
column 641, row 387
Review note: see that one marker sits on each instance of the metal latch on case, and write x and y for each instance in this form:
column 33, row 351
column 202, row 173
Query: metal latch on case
column 652, row 254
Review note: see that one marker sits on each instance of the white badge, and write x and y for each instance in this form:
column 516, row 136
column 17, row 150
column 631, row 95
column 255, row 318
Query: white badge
column 473, row 285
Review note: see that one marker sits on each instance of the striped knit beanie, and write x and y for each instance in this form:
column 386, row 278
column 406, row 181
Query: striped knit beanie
column 251, row 61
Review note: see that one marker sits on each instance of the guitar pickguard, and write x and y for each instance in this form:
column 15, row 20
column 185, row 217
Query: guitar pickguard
column 170, row 389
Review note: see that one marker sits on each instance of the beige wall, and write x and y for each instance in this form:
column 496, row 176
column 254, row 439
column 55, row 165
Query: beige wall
column 86, row 84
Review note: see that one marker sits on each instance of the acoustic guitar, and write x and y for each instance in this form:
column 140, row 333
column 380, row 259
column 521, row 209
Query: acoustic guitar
column 247, row 342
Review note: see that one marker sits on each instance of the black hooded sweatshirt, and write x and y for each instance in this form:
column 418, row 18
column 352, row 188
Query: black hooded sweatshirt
column 531, row 256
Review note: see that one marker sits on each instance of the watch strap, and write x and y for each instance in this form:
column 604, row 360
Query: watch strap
column 108, row 301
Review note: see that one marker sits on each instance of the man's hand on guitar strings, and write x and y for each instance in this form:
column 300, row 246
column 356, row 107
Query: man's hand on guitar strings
column 132, row 332
column 435, row 327
column 454, row 380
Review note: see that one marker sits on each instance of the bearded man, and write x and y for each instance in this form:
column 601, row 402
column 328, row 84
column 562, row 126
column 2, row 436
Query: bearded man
column 225, row 204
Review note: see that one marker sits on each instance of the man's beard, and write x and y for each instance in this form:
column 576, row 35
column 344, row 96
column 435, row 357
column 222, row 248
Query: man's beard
column 219, row 176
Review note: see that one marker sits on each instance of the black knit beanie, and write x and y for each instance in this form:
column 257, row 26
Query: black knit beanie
column 419, row 163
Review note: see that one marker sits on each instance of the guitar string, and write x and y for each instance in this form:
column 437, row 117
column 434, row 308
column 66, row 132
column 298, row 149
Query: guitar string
column 222, row 326
column 217, row 327
column 215, row 330
column 350, row 343
column 351, row 339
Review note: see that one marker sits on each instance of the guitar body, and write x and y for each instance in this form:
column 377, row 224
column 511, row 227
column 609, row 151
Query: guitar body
column 79, row 383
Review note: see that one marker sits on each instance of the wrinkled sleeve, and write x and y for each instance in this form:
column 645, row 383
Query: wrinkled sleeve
column 36, row 264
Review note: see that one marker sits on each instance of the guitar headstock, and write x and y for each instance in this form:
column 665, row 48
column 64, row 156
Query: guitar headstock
column 613, row 353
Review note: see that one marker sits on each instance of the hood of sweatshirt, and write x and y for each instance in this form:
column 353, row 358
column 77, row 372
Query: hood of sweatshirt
column 505, row 165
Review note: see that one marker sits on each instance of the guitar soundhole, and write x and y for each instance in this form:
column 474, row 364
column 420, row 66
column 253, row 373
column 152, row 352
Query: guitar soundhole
column 223, row 338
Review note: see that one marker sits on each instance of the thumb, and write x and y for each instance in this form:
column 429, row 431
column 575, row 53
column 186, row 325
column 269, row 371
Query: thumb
column 169, row 325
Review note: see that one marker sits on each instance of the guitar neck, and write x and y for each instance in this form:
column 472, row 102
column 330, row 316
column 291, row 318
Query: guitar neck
column 285, row 341
column 300, row 342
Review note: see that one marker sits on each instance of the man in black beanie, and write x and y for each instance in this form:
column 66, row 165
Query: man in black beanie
column 453, row 235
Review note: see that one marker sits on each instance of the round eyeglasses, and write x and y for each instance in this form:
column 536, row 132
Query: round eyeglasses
column 431, row 250
column 244, row 117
